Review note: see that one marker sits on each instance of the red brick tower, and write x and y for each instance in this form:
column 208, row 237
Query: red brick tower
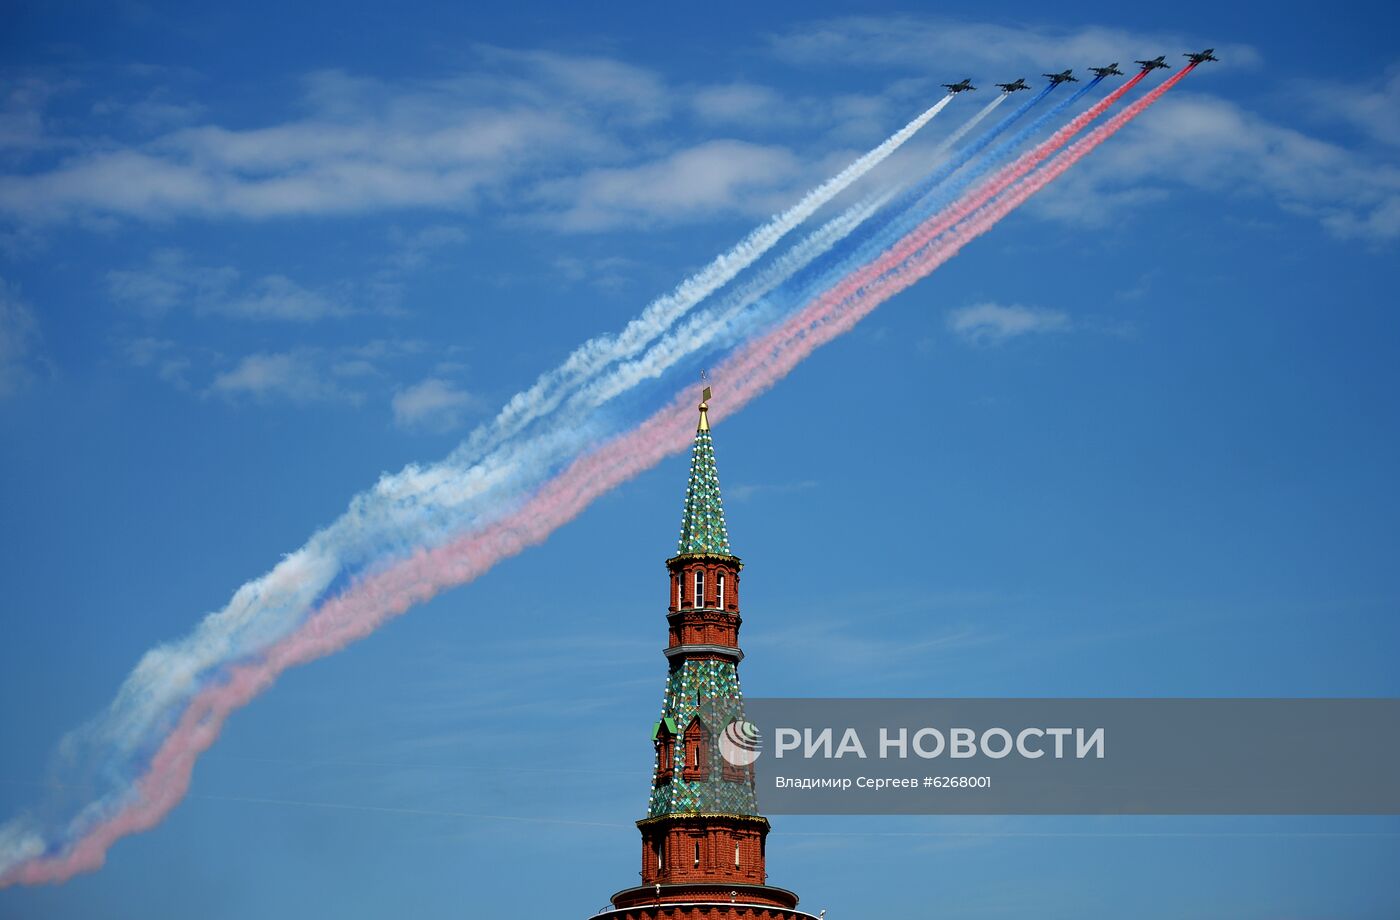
column 703, row 852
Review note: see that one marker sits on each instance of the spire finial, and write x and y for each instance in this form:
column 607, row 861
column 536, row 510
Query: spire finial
column 704, row 403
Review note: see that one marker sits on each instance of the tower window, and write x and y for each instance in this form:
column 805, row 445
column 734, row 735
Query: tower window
column 719, row 588
column 699, row 589
column 697, row 854
column 736, row 855
column 695, row 764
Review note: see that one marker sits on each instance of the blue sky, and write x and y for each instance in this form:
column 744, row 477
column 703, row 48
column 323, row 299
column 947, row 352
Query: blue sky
column 1139, row 440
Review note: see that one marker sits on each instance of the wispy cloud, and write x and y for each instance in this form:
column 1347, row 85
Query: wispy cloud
column 352, row 375
column 1210, row 144
column 170, row 281
column 435, row 404
column 292, row 376
column 1373, row 110
column 511, row 121
column 935, row 43
column 572, row 136
column 166, row 357
column 993, row 323
column 19, row 342
column 709, row 178
column 1200, row 140
column 412, row 249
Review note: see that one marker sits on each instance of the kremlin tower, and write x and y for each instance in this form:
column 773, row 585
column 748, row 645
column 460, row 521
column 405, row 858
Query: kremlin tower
column 703, row 840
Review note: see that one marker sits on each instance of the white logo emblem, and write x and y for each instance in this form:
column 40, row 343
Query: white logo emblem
column 740, row 743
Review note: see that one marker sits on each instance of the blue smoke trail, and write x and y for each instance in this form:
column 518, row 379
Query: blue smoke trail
column 936, row 191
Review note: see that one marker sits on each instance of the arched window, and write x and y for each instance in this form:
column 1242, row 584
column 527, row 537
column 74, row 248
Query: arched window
column 697, row 854
column 719, row 588
column 699, row 588
column 736, row 855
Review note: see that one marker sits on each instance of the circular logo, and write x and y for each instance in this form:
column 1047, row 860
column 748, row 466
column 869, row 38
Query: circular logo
column 740, row 743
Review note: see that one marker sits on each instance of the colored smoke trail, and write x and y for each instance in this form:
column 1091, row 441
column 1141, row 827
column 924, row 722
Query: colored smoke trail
column 946, row 218
column 759, row 365
column 936, row 191
column 377, row 597
column 942, row 204
column 482, row 480
column 887, row 226
column 592, row 356
column 949, row 142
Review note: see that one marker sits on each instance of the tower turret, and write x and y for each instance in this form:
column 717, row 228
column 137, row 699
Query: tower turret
column 703, row 839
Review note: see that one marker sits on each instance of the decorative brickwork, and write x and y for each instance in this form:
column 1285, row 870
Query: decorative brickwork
column 704, row 853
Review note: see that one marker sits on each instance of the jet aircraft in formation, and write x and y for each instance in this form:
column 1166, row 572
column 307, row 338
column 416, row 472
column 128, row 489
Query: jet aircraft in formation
column 1067, row 76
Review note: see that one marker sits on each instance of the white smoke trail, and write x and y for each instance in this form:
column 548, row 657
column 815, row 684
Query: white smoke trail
column 588, row 359
column 971, row 123
column 719, row 323
column 420, row 506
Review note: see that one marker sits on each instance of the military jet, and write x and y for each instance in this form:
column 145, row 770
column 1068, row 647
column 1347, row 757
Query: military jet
column 1200, row 57
column 960, row 87
column 1064, row 76
column 1019, row 85
column 1110, row 71
column 1159, row 61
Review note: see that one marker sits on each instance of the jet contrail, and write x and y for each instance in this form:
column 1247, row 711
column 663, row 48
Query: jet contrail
column 27, row 856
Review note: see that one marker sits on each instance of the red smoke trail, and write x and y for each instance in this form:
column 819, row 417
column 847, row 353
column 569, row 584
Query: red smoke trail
column 762, row 363
column 985, row 192
column 378, row 598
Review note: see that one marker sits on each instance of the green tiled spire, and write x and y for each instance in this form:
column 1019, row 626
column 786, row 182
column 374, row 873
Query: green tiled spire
column 702, row 526
column 708, row 690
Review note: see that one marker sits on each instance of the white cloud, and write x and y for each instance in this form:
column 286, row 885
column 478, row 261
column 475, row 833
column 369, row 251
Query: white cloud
column 171, row 364
column 413, row 249
column 1375, row 111
column 519, row 126
column 1213, row 145
column 19, row 340
column 992, row 324
column 746, row 103
column 302, row 376
column 698, row 181
column 279, row 297
column 363, row 145
column 170, row 281
column 293, row 376
column 936, row 44
column 434, row 404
